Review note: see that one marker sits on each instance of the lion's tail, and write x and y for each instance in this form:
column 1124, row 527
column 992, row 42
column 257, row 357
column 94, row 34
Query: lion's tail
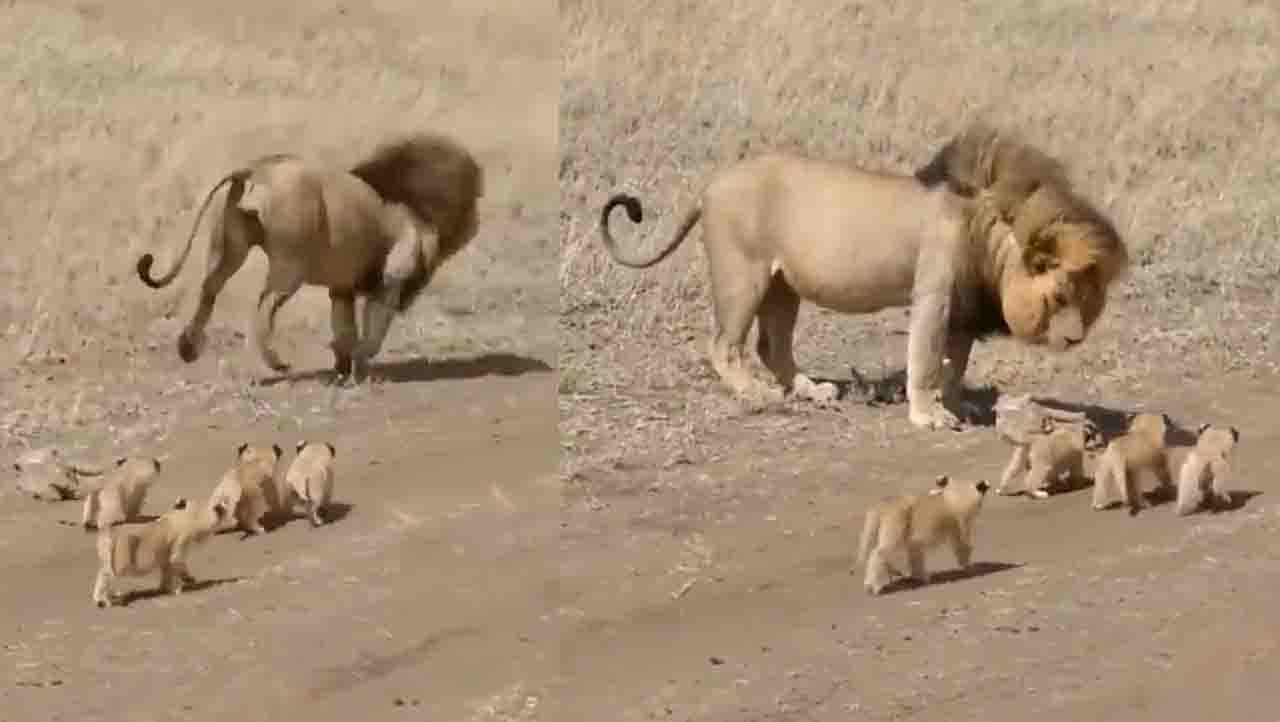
column 870, row 529
column 636, row 214
column 147, row 259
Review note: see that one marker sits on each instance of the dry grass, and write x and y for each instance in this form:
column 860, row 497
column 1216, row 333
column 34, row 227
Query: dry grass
column 118, row 117
column 1166, row 113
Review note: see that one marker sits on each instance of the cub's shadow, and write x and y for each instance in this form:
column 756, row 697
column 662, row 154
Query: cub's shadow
column 137, row 595
column 422, row 369
column 947, row 576
column 335, row 512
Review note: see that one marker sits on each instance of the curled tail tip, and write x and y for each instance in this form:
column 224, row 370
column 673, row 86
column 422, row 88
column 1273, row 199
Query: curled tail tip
column 630, row 203
column 144, row 271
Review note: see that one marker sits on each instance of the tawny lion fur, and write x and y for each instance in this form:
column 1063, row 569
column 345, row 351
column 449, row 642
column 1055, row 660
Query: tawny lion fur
column 1046, row 458
column 1205, row 470
column 378, row 231
column 987, row 239
column 117, row 496
column 248, row 489
column 1141, row 448
column 310, row 479
column 137, row 549
column 915, row 523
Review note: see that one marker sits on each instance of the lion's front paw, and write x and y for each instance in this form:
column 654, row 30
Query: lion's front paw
column 935, row 417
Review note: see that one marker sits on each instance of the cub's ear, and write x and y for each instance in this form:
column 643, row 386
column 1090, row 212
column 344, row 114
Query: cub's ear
column 300, row 445
column 1235, row 434
column 941, row 481
column 1167, row 420
column 17, row 466
column 983, row 486
column 1201, row 429
column 180, row 503
column 240, row 449
column 120, row 461
column 332, row 451
column 276, row 448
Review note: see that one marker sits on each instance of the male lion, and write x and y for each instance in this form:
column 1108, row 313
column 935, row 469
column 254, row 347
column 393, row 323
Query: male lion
column 987, row 239
column 378, row 231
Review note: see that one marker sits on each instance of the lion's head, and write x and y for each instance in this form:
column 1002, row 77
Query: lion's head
column 439, row 181
column 1050, row 255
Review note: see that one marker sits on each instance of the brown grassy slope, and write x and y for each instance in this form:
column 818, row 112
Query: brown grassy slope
column 119, row 116
column 1166, row 114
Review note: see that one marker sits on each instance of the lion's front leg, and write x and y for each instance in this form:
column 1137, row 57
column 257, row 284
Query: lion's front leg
column 342, row 318
column 927, row 379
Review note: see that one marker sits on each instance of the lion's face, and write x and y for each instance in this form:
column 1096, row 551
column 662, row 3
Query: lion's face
column 1053, row 300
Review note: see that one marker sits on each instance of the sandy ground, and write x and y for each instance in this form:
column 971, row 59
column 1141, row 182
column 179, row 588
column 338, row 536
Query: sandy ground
column 433, row 595
column 708, row 545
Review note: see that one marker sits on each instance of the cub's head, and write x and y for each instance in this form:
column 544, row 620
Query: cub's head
column 960, row 494
column 138, row 468
column 1066, row 255
column 317, row 447
column 1221, row 439
column 260, row 457
column 1153, row 426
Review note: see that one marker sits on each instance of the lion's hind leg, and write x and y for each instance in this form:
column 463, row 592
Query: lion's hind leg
column 739, row 287
column 777, row 324
column 233, row 233
column 281, row 285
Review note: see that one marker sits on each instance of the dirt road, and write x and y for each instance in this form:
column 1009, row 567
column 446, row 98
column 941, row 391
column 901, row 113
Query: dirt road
column 725, row 589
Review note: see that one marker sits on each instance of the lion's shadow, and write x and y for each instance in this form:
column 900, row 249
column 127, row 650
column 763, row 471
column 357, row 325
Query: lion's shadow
column 890, row 389
column 423, row 369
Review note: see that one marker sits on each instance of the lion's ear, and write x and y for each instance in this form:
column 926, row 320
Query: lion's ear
column 276, row 448
column 120, row 461
column 240, row 449
column 297, row 449
column 1235, row 434
column 1201, row 428
column 332, row 451
column 941, row 481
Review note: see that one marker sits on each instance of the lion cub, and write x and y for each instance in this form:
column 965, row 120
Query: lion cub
column 915, row 523
column 1047, row 457
column 248, row 489
column 117, row 496
column 310, row 480
column 135, row 550
column 1204, row 471
column 1142, row 447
